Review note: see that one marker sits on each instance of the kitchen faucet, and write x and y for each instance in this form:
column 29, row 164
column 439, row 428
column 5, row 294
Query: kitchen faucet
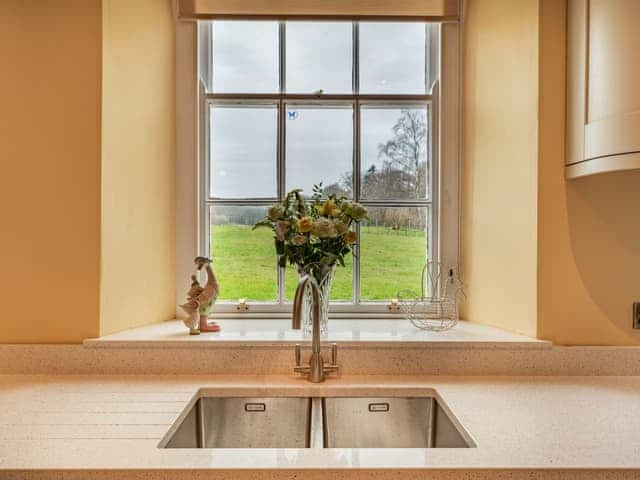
column 316, row 371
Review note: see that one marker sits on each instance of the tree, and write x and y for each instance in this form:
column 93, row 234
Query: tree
column 403, row 173
column 405, row 154
column 339, row 189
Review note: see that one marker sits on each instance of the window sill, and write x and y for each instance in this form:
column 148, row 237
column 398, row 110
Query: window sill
column 353, row 333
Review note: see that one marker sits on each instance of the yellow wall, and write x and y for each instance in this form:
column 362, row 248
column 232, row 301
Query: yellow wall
column 582, row 274
column 72, row 99
column 499, row 162
column 138, row 164
column 589, row 258
column 589, row 229
column 50, row 170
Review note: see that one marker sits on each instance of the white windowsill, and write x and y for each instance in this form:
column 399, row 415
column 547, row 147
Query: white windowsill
column 391, row 333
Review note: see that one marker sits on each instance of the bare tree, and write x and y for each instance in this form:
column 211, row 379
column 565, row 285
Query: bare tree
column 405, row 153
column 339, row 189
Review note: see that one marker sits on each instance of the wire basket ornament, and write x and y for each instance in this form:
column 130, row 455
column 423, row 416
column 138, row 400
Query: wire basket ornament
column 436, row 308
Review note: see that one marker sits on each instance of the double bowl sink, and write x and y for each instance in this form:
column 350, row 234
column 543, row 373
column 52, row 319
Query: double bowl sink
column 328, row 422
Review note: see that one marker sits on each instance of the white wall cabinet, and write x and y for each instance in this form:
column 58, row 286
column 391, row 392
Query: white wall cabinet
column 603, row 86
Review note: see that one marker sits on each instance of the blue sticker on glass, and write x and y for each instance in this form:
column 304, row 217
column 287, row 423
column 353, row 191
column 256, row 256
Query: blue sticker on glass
column 292, row 114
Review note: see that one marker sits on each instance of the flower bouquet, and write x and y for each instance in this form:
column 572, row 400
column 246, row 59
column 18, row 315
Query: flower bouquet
column 315, row 235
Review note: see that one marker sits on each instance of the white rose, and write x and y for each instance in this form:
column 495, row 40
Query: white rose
column 324, row 228
column 358, row 212
column 341, row 227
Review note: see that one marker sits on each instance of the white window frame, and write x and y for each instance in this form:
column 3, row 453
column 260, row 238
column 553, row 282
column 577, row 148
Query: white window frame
column 192, row 108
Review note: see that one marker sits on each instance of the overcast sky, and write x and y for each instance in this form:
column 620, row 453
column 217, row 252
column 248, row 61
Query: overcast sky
column 319, row 140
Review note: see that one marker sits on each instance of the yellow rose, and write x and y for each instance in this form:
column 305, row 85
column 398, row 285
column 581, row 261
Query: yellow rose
column 304, row 225
column 350, row 237
column 326, row 208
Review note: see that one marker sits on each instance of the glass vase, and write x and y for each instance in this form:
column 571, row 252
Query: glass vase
column 324, row 278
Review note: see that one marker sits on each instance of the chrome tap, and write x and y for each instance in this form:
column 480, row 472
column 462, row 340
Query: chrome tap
column 317, row 370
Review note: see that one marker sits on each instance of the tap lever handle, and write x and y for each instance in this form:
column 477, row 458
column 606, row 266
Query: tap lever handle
column 334, row 354
column 297, row 350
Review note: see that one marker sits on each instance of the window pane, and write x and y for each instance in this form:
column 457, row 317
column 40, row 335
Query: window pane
column 319, row 57
column 392, row 57
column 393, row 251
column 245, row 57
column 319, row 148
column 243, row 151
column 394, row 153
column 341, row 291
column 244, row 260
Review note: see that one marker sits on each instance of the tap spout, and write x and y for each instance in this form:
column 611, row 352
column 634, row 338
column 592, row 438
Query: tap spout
column 316, row 368
column 296, row 319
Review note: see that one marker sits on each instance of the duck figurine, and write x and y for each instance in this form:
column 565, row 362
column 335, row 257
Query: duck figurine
column 200, row 300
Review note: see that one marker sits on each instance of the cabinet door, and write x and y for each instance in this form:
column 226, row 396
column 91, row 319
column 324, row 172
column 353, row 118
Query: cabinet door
column 603, row 82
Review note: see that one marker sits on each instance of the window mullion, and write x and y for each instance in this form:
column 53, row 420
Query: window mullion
column 427, row 61
column 244, row 202
column 282, row 33
column 356, row 266
column 280, row 148
column 204, row 243
column 281, row 167
column 281, row 112
column 356, row 196
column 356, row 58
column 356, row 158
column 395, row 203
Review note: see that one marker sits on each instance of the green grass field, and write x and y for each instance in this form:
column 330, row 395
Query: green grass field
column 244, row 262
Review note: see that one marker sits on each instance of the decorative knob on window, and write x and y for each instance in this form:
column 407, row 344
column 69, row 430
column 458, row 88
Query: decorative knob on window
column 394, row 306
column 242, row 305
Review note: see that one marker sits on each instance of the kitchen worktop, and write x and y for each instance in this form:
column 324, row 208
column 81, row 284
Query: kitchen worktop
column 353, row 333
column 113, row 424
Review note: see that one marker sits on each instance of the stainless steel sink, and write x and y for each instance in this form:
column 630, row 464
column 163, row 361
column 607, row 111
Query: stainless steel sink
column 291, row 422
column 389, row 423
column 244, row 423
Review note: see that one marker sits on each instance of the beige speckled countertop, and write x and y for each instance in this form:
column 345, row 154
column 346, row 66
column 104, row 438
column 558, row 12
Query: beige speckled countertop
column 92, row 423
column 353, row 333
